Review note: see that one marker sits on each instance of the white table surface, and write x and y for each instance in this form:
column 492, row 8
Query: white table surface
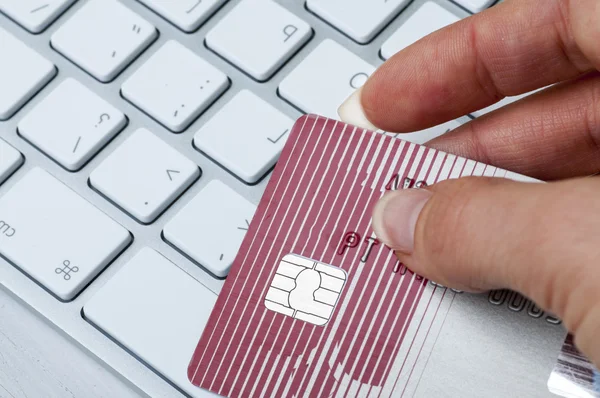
column 37, row 361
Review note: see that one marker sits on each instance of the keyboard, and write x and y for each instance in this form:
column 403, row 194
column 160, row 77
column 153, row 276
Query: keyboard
column 136, row 139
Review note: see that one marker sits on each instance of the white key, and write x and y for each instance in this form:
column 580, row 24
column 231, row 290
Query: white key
column 362, row 20
column 10, row 160
column 81, row 121
column 144, row 176
column 175, row 86
column 324, row 79
column 187, row 15
column 475, row 5
column 210, row 228
column 34, row 15
column 158, row 312
column 246, row 136
column 427, row 19
column 421, row 137
column 103, row 37
column 55, row 236
column 258, row 36
column 23, row 72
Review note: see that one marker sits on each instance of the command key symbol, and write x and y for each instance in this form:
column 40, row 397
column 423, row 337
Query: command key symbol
column 66, row 270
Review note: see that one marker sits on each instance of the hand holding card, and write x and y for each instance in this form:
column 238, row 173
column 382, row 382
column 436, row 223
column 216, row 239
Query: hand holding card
column 315, row 305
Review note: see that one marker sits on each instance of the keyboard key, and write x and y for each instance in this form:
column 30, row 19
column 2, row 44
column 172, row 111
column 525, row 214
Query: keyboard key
column 23, row 72
column 427, row 19
column 187, row 15
column 246, row 136
column 10, row 160
column 55, row 236
column 156, row 311
column 175, row 86
column 34, row 15
column 258, row 36
column 331, row 66
column 475, row 5
column 103, row 37
column 362, row 20
column 86, row 123
column 421, row 137
column 144, row 176
column 210, row 228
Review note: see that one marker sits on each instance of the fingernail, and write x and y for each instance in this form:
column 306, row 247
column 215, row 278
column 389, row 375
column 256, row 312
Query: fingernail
column 395, row 218
column 352, row 112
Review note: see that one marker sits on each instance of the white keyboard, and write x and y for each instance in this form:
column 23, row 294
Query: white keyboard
column 137, row 136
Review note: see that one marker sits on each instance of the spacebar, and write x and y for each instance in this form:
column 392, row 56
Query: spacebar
column 156, row 311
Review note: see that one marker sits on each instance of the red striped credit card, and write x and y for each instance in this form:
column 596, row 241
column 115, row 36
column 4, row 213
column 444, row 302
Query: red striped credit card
column 314, row 304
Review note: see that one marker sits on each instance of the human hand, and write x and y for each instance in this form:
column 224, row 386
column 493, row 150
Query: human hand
column 474, row 234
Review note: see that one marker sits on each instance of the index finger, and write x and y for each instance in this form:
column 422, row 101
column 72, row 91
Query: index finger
column 512, row 48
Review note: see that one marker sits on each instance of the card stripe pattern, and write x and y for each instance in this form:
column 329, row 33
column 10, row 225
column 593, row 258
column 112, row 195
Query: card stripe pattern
column 367, row 287
column 239, row 283
column 271, row 256
column 362, row 227
column 574, row 376
column 353, row 356
column 377, row 153
column 317, row 206
column 286, row 198
column 321, row 219
column 313, row 181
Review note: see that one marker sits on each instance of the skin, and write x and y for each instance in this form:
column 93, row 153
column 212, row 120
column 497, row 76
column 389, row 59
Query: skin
column 542, row 240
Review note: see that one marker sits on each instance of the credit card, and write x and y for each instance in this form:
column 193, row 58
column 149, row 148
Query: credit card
column 316, row 306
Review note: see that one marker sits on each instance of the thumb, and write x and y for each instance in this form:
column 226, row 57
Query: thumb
column 487, row 233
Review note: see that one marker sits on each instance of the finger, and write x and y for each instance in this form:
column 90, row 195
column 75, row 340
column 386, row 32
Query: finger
column 483, row 233
column 584, row 19
column 551, row 135
column 512, row 48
